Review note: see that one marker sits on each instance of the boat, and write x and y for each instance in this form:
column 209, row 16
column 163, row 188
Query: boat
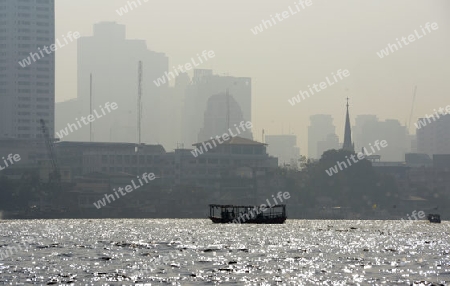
column 247, row 214
column 434, row 218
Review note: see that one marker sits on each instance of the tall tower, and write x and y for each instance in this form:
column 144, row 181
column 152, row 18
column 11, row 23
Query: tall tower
column 348, row 145
column 321, row 126
column 112, row 59
column 27, row 73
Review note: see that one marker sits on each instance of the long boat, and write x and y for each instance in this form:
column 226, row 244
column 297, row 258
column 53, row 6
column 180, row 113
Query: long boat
column 247, row 214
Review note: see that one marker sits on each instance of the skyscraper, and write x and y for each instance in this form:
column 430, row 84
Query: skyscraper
column 27, row 73
column 321, row 125
column 329, row 143
column 369, row 128
column 433, row 137
column 284, row 147
column 112, row 59
column 205, row 84
column 221, row 114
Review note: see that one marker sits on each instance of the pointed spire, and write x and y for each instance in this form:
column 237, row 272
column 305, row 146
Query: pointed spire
column 348, row 145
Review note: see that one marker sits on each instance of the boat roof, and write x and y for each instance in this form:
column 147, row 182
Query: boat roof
column 237, row 206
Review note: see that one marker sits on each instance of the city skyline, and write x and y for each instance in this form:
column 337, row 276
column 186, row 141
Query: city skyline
column 131, row 129
column 372, row 90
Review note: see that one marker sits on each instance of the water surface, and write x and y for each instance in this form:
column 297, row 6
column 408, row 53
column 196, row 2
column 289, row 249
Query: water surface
column 197, row 252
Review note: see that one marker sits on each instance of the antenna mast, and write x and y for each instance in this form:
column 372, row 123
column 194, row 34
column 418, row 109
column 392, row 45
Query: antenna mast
column 228, row 109
column 90, row 106
column 139, row 101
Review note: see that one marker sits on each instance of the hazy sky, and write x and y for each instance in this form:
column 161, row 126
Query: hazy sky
column 299, row 51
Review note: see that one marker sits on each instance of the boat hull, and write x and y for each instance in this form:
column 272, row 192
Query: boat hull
column 275, row 220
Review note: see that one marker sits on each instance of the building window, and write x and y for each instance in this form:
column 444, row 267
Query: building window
column 236, row 150
column 213, row 161
column 247, row 150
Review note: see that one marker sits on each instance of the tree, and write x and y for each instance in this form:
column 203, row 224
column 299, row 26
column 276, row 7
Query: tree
column 354, row 185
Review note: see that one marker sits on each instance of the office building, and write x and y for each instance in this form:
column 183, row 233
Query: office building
column 369, row 128
column 285, row 148
column 222, row 113
column 433, row 137
column 205, row 84
column 113, row 60
column 27, row 73
column 321, row 125
column 331, row 142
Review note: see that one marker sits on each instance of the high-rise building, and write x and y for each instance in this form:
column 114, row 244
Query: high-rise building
column 221, row 114
column 205, row 84
column 284, row 147
column 330, row 142
column 359, row 129
column 369, row 128
column 171, row 106
column 433, row 136
column 27, row 73
column 113, row 60
column 321, row 125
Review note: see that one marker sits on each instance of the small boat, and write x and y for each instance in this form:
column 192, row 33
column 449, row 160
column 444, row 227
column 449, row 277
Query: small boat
column 247, row 214
column 434, row 218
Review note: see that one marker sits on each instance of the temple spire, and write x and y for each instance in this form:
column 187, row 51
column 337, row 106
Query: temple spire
column 348, row 145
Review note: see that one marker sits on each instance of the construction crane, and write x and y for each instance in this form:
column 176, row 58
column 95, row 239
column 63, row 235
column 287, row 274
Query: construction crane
column 55, row 175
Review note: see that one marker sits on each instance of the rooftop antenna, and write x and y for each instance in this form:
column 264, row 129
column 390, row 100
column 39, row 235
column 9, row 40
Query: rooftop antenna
column 90, row 106
column 139, row 102
column 263, row 136
column 228, row 109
